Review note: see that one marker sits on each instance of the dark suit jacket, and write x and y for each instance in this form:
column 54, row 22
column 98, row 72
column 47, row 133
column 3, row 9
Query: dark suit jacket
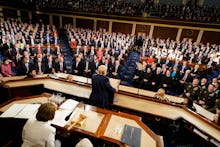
column 43, row 67
column 47, row 66
column 113, row 70
column 102, row 92
column 57, row 67
column 80, row 68
column 23, row 70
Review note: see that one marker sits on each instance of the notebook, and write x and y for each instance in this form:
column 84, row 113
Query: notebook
column 131, row 136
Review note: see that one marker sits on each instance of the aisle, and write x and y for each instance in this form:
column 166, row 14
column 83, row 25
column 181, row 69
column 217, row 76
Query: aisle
column 66, row 53
column 129, row 68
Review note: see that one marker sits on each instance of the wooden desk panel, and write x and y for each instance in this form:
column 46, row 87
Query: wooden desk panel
column 56, row 85
column 148, row 106
column 68, row 88
column 119, row 122
column 95, row 121
column 128, row 89
column 167, row 111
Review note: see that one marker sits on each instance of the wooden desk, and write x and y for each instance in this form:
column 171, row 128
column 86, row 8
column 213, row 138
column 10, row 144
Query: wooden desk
column 100, row 123
column 170, row 112
column 136, row 100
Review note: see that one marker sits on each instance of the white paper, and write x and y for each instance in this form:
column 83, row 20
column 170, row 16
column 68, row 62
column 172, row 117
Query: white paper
column 200, row 110
column 13, row 110
column 60, row 116
column 29, row 111
column 69, row 104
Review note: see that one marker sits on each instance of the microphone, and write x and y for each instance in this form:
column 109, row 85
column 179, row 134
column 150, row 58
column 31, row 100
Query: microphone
column 68, row 116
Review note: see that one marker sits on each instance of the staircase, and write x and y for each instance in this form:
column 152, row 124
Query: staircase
column 66, row 52
column 129, row 68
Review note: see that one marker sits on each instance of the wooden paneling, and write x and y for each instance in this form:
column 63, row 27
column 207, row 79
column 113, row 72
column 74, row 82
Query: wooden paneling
column 44, row 18
column 84, row 23
column 165, row 32
column 67, row 20
column 36, row 18
column 9, row 13
column 211, row 37
column 188, row 33
column 142, row 29
column 122, row 28
column 56, row 21
column 24, row 16
column 102, row 24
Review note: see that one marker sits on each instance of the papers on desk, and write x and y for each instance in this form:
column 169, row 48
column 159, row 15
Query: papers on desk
column 25, row 111
column 69, row 104
column 64, row 110
column 200, row 110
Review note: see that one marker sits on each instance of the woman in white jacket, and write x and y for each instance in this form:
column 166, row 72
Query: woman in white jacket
column 38, row 132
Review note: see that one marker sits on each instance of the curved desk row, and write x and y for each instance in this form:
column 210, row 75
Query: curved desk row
column 100, row 123
column 129, row 98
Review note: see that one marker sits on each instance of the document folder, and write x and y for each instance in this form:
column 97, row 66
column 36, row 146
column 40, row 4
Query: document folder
column 131, row 136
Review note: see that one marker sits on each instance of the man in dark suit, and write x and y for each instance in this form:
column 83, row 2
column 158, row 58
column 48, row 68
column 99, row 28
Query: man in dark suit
column 26, row 66
column 48, row 50
column 102, row 92
column 116, row 70
column 61, row 66
column 50, row 63
column 6, row 46
column 78, row 67
column 40, row 66
column 89, row 68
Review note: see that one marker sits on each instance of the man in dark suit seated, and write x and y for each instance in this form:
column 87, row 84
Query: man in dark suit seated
column 48, row 50
column 137, row 78
column 50, row 63
column 89, row 68
column 156, row 80
column 102, row 92
column 78, row 66
column 40, row 66
column 26, row 66
column 60, row 65
column 116, row 70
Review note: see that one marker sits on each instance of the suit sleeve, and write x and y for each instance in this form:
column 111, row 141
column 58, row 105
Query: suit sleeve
column 109, row 87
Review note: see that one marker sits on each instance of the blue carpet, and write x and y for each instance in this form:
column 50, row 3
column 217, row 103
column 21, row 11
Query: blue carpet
column 66, row 53
column 129, row 68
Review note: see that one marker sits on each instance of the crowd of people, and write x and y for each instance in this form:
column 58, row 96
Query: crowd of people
column 171, row 65
column 93, row 48
column 190, row 11
column 26, row 47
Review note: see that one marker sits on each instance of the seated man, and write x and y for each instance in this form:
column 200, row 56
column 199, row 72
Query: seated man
column 116, row 70
column 191, row 92
column 207, row 97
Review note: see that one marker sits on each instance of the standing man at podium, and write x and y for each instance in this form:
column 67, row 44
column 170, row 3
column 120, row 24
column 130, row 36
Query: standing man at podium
column 102, row 91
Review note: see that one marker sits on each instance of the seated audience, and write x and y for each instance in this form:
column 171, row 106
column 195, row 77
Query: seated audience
column 207, row 97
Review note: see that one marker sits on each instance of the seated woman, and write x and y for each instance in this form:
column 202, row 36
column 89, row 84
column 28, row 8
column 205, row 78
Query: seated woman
column 39, row 132
column 6, row 68
column 160, row 94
